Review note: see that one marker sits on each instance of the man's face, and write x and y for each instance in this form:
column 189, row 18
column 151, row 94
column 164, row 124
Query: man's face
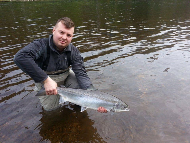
column 62, row 36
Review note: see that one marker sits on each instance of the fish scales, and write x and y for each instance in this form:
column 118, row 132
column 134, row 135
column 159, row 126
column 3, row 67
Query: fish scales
column 92, row 99
column 96, row 94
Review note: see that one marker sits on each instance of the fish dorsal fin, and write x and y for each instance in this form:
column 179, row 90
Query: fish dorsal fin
column 83, row 108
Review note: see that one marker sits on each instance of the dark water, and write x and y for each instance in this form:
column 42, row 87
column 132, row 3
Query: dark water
column 138, row 50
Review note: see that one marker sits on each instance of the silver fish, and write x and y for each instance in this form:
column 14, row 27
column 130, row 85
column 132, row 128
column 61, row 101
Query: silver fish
column 91, row 99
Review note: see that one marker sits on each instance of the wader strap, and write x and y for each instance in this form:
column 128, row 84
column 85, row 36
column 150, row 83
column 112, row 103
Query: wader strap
column 47, row 57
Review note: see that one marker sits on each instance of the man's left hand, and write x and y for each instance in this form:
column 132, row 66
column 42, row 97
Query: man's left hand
column 102, row 110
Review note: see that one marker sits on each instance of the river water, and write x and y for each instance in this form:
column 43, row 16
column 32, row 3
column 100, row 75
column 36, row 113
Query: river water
column 137, row 50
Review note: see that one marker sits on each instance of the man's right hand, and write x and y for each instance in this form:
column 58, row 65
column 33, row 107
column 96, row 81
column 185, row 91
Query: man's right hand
column 50, row 86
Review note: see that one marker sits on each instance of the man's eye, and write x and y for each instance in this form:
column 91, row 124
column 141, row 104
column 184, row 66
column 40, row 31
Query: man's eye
column 69, row 35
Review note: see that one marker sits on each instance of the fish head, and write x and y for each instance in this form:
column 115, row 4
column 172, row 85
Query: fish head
column 118, row 107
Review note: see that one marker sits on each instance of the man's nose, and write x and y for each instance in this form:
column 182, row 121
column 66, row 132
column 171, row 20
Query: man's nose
column 64, row 36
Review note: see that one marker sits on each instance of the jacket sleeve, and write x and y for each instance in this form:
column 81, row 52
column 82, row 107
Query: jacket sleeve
column 79, row 69
column 26, row 59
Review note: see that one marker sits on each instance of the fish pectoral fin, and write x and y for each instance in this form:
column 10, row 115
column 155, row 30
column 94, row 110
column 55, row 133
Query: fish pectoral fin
column 83, row 108
column 42, row 92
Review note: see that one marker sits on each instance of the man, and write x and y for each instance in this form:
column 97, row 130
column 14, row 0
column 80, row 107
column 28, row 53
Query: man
column 47, row 62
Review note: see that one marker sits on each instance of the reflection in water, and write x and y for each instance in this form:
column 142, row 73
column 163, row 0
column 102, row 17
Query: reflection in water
column 67, row 125
column 137, row 50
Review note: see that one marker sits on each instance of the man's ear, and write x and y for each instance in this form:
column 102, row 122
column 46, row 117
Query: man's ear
column 53, row 30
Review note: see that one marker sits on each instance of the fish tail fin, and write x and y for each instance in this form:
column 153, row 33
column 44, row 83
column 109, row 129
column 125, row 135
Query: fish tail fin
column 49, row 102
column 42, row 92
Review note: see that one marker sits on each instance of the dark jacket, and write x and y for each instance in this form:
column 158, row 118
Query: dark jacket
column 32, row 59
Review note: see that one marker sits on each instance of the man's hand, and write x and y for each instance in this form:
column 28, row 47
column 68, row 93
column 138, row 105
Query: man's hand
column 50, row 86
column 102, row 110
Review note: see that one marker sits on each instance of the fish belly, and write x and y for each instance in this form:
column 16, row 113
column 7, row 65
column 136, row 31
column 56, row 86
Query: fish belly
column 89, row 102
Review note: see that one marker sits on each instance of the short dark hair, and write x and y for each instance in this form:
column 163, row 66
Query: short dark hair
column 66, row 21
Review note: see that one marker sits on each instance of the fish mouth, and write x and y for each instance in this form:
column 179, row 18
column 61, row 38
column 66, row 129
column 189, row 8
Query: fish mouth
column 127, row 108
column 121, row 107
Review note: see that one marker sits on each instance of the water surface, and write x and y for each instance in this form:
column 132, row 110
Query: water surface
column 135, row 50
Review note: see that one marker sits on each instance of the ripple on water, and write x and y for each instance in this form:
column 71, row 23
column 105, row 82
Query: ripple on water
column 114, row 129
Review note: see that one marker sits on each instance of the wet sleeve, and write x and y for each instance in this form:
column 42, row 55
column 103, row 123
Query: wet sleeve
column 25, row 60
column 79, row 69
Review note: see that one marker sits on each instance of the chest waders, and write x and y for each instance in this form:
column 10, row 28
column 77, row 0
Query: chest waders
column 64, row 77
column 51, row 102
